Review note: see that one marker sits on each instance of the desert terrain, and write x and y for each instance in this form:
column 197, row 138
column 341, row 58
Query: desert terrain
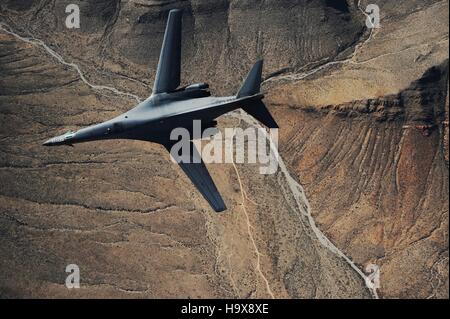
column 363, row 145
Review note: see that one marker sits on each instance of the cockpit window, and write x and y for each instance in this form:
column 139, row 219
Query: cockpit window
column 69, row 135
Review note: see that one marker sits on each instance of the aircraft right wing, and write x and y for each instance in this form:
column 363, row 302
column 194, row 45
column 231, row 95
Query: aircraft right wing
column 169, row 67
column 199, row 175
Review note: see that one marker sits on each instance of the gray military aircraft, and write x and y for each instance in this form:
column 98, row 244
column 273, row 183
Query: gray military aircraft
column 171, row 106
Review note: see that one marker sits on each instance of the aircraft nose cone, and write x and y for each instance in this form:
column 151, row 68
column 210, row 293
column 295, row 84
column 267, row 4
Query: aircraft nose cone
column 47, row 143
column 60, row 140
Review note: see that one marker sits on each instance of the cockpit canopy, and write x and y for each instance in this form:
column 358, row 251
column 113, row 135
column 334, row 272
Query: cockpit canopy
column 197, row 86
column 69, row 135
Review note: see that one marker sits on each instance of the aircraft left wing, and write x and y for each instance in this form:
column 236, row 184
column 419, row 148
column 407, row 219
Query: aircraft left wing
column 169, row 67
column 199, row 176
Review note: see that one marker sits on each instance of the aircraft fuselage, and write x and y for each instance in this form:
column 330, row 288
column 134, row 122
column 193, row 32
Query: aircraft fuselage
column 154, row 119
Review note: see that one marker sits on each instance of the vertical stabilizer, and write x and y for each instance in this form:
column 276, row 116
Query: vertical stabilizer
column 252, row 84
column 169, row 67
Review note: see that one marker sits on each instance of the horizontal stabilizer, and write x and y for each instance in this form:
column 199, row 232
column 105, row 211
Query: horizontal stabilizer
column 260, row 112
column 252, row 84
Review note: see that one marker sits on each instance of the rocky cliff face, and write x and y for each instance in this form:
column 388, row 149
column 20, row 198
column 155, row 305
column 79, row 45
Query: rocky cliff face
column 364, row 128
column 378, row 163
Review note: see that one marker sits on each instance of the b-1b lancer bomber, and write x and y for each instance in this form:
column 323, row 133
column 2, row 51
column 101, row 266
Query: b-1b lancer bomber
column 171, row 106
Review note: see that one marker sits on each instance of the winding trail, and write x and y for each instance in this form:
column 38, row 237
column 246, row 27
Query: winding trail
column 304, row 209
column 250, row 234
column 60, row 59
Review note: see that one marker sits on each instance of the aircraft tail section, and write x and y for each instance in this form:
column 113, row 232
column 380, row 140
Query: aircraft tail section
column 259, row 111
column 169, row 66
column 252, row 84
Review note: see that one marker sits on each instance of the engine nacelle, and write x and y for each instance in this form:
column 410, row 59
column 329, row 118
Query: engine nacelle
column 198, row 86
